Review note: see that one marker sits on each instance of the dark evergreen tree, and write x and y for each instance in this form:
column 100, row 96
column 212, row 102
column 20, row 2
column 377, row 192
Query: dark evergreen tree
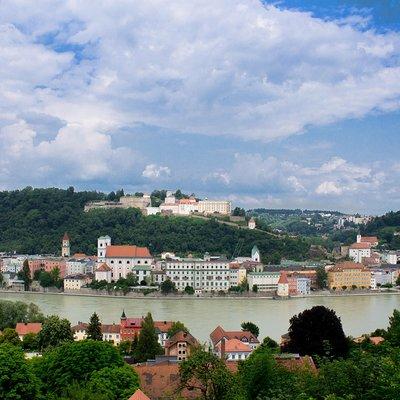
column 317, row 331
column 25, row 275
column 251, row 327
column 94, row 328
column 147, row 347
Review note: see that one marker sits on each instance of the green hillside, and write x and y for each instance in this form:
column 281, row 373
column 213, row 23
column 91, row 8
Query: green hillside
column 387, row 228
column 34, row 220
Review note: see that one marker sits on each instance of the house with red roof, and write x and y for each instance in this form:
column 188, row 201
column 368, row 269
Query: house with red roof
column 246, row 337
column 23, row 328
column 139, row 395
column 232, row 350
column 180, row 345
column 124, row 259
column 111, row 332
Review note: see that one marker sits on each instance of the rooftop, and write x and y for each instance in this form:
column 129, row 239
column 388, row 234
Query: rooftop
column 126, row 251
column 24, row 328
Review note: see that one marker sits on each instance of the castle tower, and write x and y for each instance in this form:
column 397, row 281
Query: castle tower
column 102, row 243
column 65, row 247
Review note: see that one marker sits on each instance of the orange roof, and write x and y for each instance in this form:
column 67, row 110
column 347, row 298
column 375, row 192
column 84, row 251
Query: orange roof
column 103, row 268
column 235, row 345
column 23, row 328
column 376, row 340
column 181, row 336
column 245, row 336
column 163, row 326
column 347, row 265
column 127, row 251
column 139, row 395
column 283, row 278
column 369, row 239
column 79, row 255
column 362, row 245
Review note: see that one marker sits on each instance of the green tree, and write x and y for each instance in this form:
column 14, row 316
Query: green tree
column 208, row 374
column 270, row 343
column 118, row 383
column 75, row 362
column 322, row 278
column 9, row 335
column 12, row 312
column 251, row 327
column 317, row 331
column 16, row 379
column 255, row 288
column 30, row 342
column 176, row 327
column 25, row 275
column 393, row 331
column 93, row 330
column 167, row 287
column 54, row 332
column 189, row 290
column 147, row 347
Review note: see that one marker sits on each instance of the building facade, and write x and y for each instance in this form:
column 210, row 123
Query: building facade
column 347, row 275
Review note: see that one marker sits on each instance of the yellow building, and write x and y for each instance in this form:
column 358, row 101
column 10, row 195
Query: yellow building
column 347, row 275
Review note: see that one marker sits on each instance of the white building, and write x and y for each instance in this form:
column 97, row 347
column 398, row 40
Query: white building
column 389, row 257
column 12, row 264
column 75, row 282
column 237, row 274
column 358, row 251
column 202, row 274
column 232, row 350
column 103, row 273
column 266, row 281
column 111, row 332
column 123, row 259
column 252, row 223
column 74, row 267
column 223, row 207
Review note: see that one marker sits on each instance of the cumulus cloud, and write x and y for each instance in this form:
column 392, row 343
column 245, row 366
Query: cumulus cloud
column 153, row 171
column 74, row 75
column 328, row 188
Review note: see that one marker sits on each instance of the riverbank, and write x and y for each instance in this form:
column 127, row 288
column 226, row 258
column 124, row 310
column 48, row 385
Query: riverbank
column 133, row 296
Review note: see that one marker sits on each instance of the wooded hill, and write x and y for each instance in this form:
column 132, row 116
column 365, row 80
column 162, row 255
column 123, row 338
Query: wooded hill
column 33, row 221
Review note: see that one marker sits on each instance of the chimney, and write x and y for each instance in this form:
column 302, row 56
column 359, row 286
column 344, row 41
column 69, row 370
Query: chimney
column 223, row 349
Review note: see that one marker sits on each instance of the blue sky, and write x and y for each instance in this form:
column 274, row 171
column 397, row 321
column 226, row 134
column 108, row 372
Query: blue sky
column 276, row 104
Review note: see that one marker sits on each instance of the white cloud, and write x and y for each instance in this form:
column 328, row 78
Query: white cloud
column 153, row 171
column 328, row 188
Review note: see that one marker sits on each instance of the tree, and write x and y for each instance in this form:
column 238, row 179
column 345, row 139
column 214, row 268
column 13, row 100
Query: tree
column 30, row 342
column 393, row 331
column 322, row 278
column 75, row 362
column 118, row 383
column 148, row 346
column 167, row 287
column 12, row 312
column 17, row 382
column 270, row 343
column 93, row 330
column 317, row 331
column 238, row 212
column 25, row 275
column 255, row 288
column 189, row 290
column 208, row 374
column 398, row 281
column 9, row 335
column 176, row 327
column 54, row 332
column 251, row 327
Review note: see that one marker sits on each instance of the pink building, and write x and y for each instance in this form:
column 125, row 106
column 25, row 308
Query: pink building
column 48, row 264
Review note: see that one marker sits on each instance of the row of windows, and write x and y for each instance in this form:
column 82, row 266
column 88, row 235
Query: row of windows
column 128, row 262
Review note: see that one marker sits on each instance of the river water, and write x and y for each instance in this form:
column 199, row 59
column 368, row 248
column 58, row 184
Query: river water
column 359, row 314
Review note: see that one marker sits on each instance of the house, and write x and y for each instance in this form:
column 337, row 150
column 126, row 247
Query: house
column 347, row 275
column 266, row 281
column 283, row 285
column 122, row 259
column 245, row 337
column 139, row 395
column 252, row 223
column 360, row 250
column 232, row 350
column 111, row 332
column 372, row 240
column 103, row 273
column 162, row 328
column 23, row 328
column 180, row 345
column 76, row 282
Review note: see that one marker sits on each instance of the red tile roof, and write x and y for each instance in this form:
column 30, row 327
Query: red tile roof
column 360, row 246
column 139, row 395
column 235, row 346
column 245, row 336
column 369, row 239
column 347, row 265
column 283, row 278
column 103, row 268
column 127, row 251
column 23, row 328
column 181, row 337
column 163, row 326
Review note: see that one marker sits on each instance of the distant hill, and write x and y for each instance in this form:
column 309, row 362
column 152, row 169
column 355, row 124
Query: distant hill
column 387, row 228
column 34, row 220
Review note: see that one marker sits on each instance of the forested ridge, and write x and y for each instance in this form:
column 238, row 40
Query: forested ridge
column 33, row 221
column 387, row 228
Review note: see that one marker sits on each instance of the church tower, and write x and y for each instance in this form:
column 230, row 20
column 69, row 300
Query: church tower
column 65, row 248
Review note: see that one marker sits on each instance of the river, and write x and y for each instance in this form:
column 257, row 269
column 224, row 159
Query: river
column 359, row 314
